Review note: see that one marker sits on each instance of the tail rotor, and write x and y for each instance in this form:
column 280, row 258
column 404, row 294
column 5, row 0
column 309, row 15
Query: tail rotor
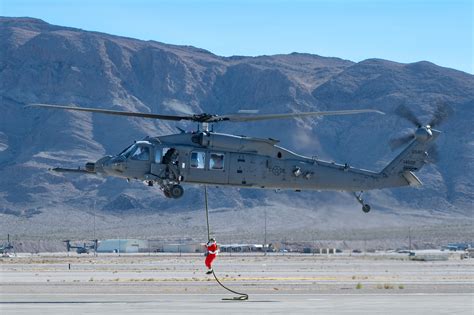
column 422, row 132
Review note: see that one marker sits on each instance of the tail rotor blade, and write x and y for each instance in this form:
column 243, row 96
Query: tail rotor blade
column 442, row 112
column 398, row 142
column 406, row 113
column 433, row 154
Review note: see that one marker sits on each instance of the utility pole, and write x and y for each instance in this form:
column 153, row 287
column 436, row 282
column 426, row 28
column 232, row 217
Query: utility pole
column 94, row 218
column 95, row 239
column 314, row 242
column 265, row 237
column 409, row 238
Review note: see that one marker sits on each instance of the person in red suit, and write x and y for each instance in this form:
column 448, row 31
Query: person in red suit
column 212, row 252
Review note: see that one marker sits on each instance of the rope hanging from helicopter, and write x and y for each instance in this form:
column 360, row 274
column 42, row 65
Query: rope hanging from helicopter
column 241, row 296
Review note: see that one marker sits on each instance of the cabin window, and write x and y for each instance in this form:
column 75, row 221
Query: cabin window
column 158, row 156
column 197, row 159
column 170, row 155
column 141, row 154
column 217, row 161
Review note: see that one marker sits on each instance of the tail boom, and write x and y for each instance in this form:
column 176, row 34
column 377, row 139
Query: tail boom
column 400, row 171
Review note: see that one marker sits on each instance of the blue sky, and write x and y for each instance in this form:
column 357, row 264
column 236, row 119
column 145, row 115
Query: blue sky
column 403, row 31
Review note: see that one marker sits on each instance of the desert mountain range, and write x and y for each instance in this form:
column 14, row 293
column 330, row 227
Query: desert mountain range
column 44, row 63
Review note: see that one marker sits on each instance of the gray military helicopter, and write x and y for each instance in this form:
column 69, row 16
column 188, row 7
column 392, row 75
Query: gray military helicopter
column 207, row 157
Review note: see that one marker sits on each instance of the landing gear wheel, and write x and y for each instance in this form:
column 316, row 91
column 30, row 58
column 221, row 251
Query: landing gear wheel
column 366, row 208
column 176, row 191
column 167, row 193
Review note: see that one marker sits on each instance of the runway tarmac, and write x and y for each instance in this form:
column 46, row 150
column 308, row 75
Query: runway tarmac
column 276, row 284
column 259, row 303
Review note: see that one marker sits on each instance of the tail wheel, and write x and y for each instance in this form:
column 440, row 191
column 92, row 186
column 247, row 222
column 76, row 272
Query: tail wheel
column 176, row 191
column 366, row 208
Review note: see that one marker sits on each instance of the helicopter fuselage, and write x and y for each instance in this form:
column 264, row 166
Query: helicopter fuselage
column 222, row 159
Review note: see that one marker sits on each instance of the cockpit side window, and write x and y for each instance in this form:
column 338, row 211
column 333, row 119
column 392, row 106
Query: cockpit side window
column 198, row 159
column 141, row 154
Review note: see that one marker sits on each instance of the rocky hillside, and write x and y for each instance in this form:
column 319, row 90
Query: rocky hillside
column 40, row 62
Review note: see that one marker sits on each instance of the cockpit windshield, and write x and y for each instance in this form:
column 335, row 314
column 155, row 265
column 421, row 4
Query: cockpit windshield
column 126, row 153
column 142, row 153
column 137, row 151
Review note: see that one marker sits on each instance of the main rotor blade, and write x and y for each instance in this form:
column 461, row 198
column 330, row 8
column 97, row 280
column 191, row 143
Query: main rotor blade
column 114, row 112
column 207, row 117
column 406, row 113
column 442, row 112
column 243, row 118
column 398, row 142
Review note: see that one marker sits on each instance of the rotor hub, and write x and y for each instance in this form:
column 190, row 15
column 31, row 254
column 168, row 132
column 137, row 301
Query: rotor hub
column 203, row 117
column 423, row 133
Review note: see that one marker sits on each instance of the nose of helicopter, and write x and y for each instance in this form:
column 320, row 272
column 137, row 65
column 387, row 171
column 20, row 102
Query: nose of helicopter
column 100, row 166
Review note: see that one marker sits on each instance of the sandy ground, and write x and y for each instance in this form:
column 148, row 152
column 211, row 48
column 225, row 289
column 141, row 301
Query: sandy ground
column 375, row 284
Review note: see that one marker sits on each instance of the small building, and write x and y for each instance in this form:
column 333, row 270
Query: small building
column 326, row 251
column 183, row 248
column 428, row 255
column 122, row 246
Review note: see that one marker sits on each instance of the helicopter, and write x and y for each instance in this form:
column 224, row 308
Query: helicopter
column 211, row 158
column 82, row 249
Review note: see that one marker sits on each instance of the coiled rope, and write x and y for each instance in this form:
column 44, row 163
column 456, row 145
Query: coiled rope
column 241, row 296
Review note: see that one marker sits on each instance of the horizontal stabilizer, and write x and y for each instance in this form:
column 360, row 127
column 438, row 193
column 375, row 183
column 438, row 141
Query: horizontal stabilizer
column 412, row 179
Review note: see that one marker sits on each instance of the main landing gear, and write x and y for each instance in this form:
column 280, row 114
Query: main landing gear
column 173, row 191
column 365, row 207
